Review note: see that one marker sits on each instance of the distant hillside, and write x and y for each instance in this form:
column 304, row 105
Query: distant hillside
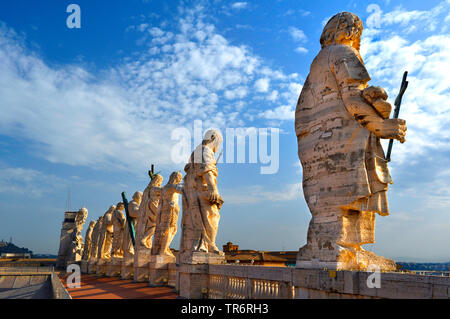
column 11, row 248
column 425, row 266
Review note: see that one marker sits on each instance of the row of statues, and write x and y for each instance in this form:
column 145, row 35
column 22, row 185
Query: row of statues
column 339, row 122
column 154, row 213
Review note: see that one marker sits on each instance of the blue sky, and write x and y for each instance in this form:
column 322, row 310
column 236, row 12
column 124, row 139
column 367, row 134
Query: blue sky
column 90, row 109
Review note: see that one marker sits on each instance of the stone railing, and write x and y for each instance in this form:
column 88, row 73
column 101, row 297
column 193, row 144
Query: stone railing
column 250, row 282
column 58, row 289
column 260, row 282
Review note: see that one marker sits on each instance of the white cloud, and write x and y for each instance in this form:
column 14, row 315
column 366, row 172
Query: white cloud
column 301, row 50
column 297, row 34
column 123, row 117
column 27, row 182
column 284, row 113
column 388, row 52
column 262, row 85
column 257, row 194
column 239, row 5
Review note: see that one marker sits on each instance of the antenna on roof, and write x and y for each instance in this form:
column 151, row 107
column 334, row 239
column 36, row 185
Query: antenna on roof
column 68, row 202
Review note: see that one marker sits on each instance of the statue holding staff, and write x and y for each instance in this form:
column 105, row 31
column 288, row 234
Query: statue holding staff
column 339, row 122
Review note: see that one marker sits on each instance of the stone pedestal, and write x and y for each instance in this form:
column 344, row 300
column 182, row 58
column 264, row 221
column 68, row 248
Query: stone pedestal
column 127, row 267
column 193, row 277
column 113, row 267
column 159, row 269
column 141, row 261
column 172, row 275
column 84, row 265
column 92, row 266
column 101, row 267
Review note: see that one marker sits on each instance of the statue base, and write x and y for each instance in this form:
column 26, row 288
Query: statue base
column 192, row 273
column 101, row 267
column 159, row 270
column 199, row 257
column 344, row 259
column 84, row 265
column 141, row 260
column 113, row 266
column 92, row 266
column 127, row 270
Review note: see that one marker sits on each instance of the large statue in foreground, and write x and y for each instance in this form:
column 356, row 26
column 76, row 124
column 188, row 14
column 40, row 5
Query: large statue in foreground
column 339, row 122
column 201, row 199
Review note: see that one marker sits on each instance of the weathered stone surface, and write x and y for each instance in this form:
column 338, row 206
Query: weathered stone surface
column 127, row 267
column 147, row 213
column 118, row 220
column 167, row 216
column 339, row 122
column 141, row 265
column 88, row 241
column 159, row 269
column 201, row 200
column 113, row 266
column 133, row 211
column 104, row 243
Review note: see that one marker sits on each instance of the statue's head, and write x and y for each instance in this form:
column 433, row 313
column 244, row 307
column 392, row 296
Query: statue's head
column 157, row 180
column 343, row 28
column 137, row 197
column 111, row 209
column 120, row 206
column 213, row 138
column 92, row 224
column 175, row 178
column 81, row 215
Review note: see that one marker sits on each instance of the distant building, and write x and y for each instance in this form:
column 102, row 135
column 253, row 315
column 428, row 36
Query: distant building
column 9, row 249
column 15, row 256
column 229, row 247
column 262, row 258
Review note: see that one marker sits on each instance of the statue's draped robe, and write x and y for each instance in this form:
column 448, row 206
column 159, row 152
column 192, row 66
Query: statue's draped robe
column 147, row 213
column 105, row 237
column 343, row 162
column 88, row 242
column 118, row 220
column 200, row 218
column 167, row 218
column 133, row 211
column 95, row 238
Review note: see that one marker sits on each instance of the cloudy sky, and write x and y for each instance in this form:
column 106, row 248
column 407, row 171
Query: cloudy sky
column 88, row 110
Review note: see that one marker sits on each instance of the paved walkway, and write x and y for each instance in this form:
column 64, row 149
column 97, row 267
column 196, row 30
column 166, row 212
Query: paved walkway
column 93, row 287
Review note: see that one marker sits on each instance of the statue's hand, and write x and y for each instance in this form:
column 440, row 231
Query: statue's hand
column 215, row 198
column 393, row 129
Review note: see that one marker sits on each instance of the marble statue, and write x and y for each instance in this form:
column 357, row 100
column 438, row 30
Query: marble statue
column 77, row 239
column 201, row 199
column 118, row 220
column 106, row 235
column 133, row 211
column 147, row 213
column 167, row 217
column 339, row 122
column 88, row 241
column 95, row 237
column 71, row 242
